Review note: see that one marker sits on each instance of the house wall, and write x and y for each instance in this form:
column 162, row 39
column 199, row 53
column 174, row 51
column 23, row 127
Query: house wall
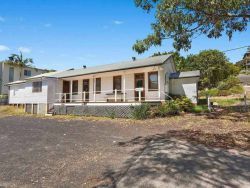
column 107, row 83
column 22, row 93
column 185, row 87
column 18, row 75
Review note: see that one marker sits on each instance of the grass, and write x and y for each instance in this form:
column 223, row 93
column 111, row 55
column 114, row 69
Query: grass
column 200, row 109
column 227, row 102
column 10, row 110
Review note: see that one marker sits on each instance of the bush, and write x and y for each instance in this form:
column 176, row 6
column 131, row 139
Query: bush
column 141, row 111
column 228, row 83
column 200, row 109
column 168, row 108
column 184, row 104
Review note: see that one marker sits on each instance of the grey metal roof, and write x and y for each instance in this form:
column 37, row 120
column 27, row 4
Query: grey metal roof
column 16, row 82
column 151, row 61
column 186, row 74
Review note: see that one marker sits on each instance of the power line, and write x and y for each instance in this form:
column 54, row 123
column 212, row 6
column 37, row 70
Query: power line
column 236, row 48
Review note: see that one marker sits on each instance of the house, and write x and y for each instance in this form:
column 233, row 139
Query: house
column 10, row 72
column 106, row 88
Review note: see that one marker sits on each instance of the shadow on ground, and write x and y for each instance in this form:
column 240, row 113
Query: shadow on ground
column 190, row 161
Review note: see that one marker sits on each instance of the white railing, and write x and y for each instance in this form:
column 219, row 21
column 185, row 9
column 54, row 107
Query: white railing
column 130, row 95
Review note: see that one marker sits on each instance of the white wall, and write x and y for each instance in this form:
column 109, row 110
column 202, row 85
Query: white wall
column 22, row 93
column 185, row 87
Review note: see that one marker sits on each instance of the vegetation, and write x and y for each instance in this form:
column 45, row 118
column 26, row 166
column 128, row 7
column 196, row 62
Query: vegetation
column 227, row 102
column 141, row 111
column 10, row 110
column 184, row 20
column 229, row 86
column 200, row 109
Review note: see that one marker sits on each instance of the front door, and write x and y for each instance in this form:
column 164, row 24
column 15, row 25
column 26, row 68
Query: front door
column 85, row 88
column 66, row 91
column 139, row 84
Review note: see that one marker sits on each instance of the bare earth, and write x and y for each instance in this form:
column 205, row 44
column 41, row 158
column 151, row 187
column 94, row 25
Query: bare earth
column 182, row 151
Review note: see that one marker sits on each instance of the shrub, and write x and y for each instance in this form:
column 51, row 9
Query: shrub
column 141, row 111
column 200, row 109
column 168, row 108
column 184, row 104
column 228, row 83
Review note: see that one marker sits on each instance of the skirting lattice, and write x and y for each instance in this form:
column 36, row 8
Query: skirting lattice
column 124, row 111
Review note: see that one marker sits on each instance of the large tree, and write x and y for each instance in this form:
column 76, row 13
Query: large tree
column 214, row 67
column 184, row 20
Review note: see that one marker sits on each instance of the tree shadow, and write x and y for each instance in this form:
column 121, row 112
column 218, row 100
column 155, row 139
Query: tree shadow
column 183, row 159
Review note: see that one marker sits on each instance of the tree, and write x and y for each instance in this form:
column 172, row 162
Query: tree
column 19, row 60
column 214, row 67
column 184, row 20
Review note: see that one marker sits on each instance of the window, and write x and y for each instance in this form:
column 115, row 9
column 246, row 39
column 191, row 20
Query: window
column 37, row 87
column 117, row 83
column 27, row 73
column 98, row 85
column 75, row 87
column 153, row 81
column 11, row 74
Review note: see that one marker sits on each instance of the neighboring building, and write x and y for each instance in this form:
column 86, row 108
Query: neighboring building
column 117, row 86
column 246, row 59
column 10, row 73
column 245, row 62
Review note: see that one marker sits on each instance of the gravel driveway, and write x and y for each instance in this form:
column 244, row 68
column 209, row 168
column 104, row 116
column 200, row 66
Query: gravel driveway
column 41, row 152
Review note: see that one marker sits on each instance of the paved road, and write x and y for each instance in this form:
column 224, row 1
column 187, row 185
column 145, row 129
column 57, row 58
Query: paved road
column 38, row 152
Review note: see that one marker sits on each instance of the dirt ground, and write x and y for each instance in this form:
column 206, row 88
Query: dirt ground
column 85, row 152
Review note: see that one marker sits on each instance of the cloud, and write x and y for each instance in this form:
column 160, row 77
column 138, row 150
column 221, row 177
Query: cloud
column 118, row 22
column 2, row 19
column 47, row 25
column 4, row 48
column 24, row 49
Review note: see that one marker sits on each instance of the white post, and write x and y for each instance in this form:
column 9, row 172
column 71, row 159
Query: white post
column 94, row 80
column 32, row 110
column 159, row 85
column 208, row 103
column 71, row 89
column 65, row 97
column 84, row 96
column 139, row 95
column 115, row 95
column 124, row 88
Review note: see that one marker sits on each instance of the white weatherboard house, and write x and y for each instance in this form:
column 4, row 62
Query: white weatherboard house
column 88, row 90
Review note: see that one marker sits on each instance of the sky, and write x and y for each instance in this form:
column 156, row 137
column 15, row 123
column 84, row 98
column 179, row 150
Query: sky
column 63, row 34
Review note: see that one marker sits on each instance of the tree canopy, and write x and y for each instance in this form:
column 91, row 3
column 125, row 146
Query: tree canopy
column 20, row 60
column 184, row 20
column 213, row 64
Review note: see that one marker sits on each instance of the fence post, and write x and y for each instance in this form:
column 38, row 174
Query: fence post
column 208, row 103
column 139, row 95
column 115, row 95
column 245, row 101
column 84, row 96
column 65, row 96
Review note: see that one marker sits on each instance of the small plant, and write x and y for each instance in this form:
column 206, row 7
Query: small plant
column 200, row 109
column 141, row 111
column 184, row 104
column 111, row 114
column 168, row 108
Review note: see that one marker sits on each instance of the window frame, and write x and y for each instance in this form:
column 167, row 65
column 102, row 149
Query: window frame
column 99, row 89
column 149, row 82
column 115, row 77
column 38, row 88
column 13, row 75
column 75, row 88
column 27, row 71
